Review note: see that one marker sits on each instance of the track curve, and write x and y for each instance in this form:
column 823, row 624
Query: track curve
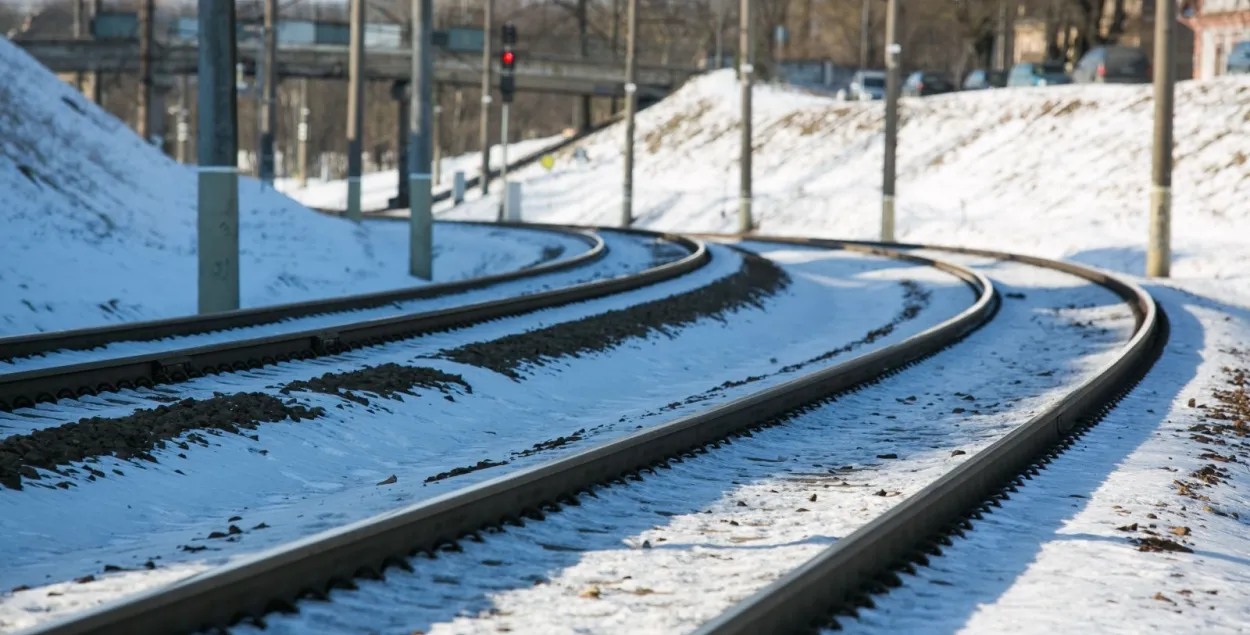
column 279, row 577
column 49, row 384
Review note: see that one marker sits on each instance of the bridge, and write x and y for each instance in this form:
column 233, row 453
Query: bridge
column 538, row 73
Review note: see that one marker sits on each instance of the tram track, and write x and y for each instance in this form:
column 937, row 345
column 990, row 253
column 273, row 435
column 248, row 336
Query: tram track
column 172, row 365
column 235, row 590
column 311, row 568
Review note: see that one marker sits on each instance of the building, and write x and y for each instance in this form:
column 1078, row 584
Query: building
column 1218, row 25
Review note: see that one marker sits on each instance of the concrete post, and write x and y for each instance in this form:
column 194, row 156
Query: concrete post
column 631, row 110
column 484, row 137
column 1159, row 251
column 421, row 217
column 143, row 107
column 746, row 75
column 94, row 91
column 355, row 109
column 301, row 133
column 436, row 168
column 893, row 53
column 457, row 187
column 514, row 201
column 503, row 157
column 401, row 92
column 269, row 114
column 217, row 226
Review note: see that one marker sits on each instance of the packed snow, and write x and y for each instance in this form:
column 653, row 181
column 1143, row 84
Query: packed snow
column 99, row 227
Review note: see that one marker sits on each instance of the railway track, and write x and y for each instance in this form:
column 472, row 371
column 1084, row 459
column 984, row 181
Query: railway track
column 173, row 361
column 277, row 579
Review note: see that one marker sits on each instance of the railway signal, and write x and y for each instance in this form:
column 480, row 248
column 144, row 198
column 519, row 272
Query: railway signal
column 507, row 87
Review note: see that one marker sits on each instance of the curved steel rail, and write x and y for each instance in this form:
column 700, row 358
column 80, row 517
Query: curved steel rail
column 24, row 389
column 275, row 579
column 866, row 560
column 88, row 338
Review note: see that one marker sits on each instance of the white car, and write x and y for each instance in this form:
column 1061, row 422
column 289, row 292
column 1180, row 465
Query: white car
column 867, row 86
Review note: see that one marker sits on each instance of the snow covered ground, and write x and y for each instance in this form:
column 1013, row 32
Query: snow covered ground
column 377, row 188
column 297, row 479
column 1057, row 171
column 99, row 228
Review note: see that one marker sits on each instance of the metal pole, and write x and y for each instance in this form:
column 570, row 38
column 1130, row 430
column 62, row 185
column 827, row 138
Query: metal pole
column 631, row 109
column 143, row 108
column 301, row 133
column 488, row 35
column 420, row 199
column 269, row 114
column 720, row 34
column 581, row 103
column 94, row 93
column 355, row 108
column 183, row 134
column 616, row 42
column 1000, row 37
column 865, row 35
column 436, row 169
column 746, row 74
column 503, row 151
column 80, row 31
column 893, row 53
column 1159, row 252
column 217, row 225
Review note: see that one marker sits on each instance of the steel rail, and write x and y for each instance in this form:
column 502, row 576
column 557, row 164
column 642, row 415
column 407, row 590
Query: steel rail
column 277, row 578
column 866, row 561
column 26, row 388
column 88, row 338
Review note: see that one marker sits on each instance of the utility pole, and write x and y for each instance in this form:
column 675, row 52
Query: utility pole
column 631, row 110
column 143, row 108
column 80, row 24
column 893, row 52
column 436, row 142
column 217, row 225
column 746, row 75
column 94, row 93
column 865, row 35
column 616, row 42
column 581, row 103
column 720, row 33
column 182, row 132
column 301, row 133
column 420, row 130
column 1159, row 252
column 355, row 109
column 269, row 115
column 487, row 58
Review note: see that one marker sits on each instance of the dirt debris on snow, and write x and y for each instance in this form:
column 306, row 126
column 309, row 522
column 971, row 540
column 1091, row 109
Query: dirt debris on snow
column 757, row 279
column 389, row 381
column 135, row 436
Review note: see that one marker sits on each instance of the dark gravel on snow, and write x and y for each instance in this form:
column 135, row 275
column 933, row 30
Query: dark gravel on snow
column 389, row 381
column 136, row 435
column 757, row 279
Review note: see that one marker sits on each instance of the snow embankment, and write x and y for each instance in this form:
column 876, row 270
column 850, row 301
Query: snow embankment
column 1056, row 171
column 99, row 227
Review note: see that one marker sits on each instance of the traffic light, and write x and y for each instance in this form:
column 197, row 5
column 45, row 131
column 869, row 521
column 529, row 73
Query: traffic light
column 507, row 59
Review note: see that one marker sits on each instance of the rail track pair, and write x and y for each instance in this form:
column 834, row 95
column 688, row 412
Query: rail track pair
column 840, row 576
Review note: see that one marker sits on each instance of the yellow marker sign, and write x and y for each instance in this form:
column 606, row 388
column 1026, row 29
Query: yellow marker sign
column 548, row 161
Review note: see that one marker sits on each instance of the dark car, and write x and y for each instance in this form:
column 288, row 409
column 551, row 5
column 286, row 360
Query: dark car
column 925, row 83
column 1113, row 65
column 1043, row 74
column 982, row 79
column 1239, row 59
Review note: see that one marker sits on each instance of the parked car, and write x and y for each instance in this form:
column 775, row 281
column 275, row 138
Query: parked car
column 1239, row 59
column 1113, row 65
column 867, row 86
column 925, row 83
column 1043, row 74
column 982, row 79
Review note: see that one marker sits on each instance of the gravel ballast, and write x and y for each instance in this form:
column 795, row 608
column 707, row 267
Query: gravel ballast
column 757, row 279
column 136, row 435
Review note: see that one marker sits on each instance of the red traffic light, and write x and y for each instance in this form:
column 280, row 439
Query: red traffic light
column 508, row 58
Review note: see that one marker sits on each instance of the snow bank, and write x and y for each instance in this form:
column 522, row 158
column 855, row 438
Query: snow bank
column 1055, row 171
column 99, row 227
